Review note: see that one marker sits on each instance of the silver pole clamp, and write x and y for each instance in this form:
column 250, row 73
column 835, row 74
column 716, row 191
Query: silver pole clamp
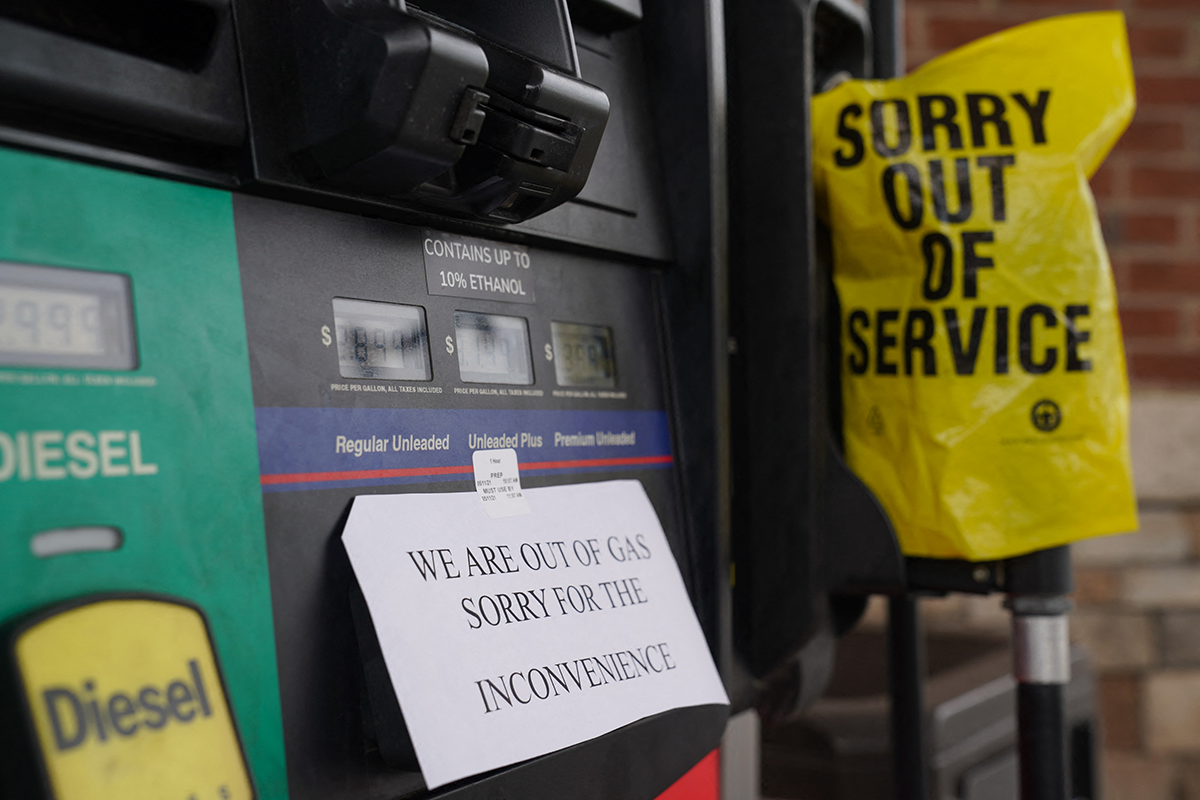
column 1041, row 649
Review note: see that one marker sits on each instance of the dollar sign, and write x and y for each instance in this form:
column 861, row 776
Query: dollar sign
column 449, row 344
column 326, row 339
column 549, row 353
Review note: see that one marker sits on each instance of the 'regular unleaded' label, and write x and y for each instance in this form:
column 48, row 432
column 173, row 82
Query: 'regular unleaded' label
column 126, row 701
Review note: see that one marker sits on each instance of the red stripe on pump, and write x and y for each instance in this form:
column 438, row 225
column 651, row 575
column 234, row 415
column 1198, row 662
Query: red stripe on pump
column 422, row 472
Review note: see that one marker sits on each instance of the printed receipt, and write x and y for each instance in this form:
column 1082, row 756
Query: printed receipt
column 498, row 483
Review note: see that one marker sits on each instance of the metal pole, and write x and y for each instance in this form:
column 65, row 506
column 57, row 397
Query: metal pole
column 887, row 37
column 1042, row 667
column 1037, row 585
column 906, row 644
column 906, row 653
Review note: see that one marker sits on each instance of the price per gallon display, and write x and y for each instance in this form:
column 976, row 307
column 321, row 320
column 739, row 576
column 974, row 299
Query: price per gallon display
column 493, row 348
column 381, row 340
column 42, row 321
column 583, row 355
column 51, row 317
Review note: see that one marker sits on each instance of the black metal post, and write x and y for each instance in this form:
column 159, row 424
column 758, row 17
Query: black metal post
column 1041, row 741
column 906, row 653
column 887, row 37
column 1038, row 584
column 906, row 643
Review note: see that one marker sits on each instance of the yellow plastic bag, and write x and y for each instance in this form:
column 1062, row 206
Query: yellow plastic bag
column 986, row 402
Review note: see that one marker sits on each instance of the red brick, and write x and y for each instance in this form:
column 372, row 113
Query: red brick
column 948, row 33
column 1176, row 90
column 1150, row 322
column 1153, row 136
column 1127, row 775
column 1102, row 183
column 1119, row 712
column 1165, row 276
column 1072, row 5
column 1096, row 587
column 912, row 27
column 1187, row 5
column 1110, row 229
column 1120, row 271
column 1165, row 182
column 1192, row 518
column 1157, row 41
column 1179, row 369
column 1150, row 229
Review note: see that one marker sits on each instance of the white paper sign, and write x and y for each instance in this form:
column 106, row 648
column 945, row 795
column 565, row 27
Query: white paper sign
column 498, row 483
column 513, row 637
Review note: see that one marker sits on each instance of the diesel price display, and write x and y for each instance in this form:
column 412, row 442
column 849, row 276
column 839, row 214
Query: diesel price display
column 51, row 317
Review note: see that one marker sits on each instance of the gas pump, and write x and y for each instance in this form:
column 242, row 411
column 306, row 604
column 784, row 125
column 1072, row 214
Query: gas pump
column 811, row 541
column 1036, row 584
column 241, row 238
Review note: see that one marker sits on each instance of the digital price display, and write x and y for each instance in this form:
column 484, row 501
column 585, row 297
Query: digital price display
column 381, row 340
column 72, row 318
column 492, row 348
column 583, row 355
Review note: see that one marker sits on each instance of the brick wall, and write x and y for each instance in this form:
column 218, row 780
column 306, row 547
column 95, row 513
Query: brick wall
column 1148, row 192
column 1138, row 612
column 1138, row 595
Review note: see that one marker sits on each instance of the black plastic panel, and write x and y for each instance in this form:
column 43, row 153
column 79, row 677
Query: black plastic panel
column 117, row 81
column 804, row 527
column 295, row 260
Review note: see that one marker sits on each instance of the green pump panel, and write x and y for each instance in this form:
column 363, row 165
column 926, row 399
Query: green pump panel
column 139, row 474
column 240, row 239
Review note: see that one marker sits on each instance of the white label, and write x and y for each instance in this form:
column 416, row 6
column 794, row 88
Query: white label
column 498, row 483
column 513, row 637
column 463, row 266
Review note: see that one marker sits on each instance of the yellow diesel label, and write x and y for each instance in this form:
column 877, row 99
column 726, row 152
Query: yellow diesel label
column 127, row 703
